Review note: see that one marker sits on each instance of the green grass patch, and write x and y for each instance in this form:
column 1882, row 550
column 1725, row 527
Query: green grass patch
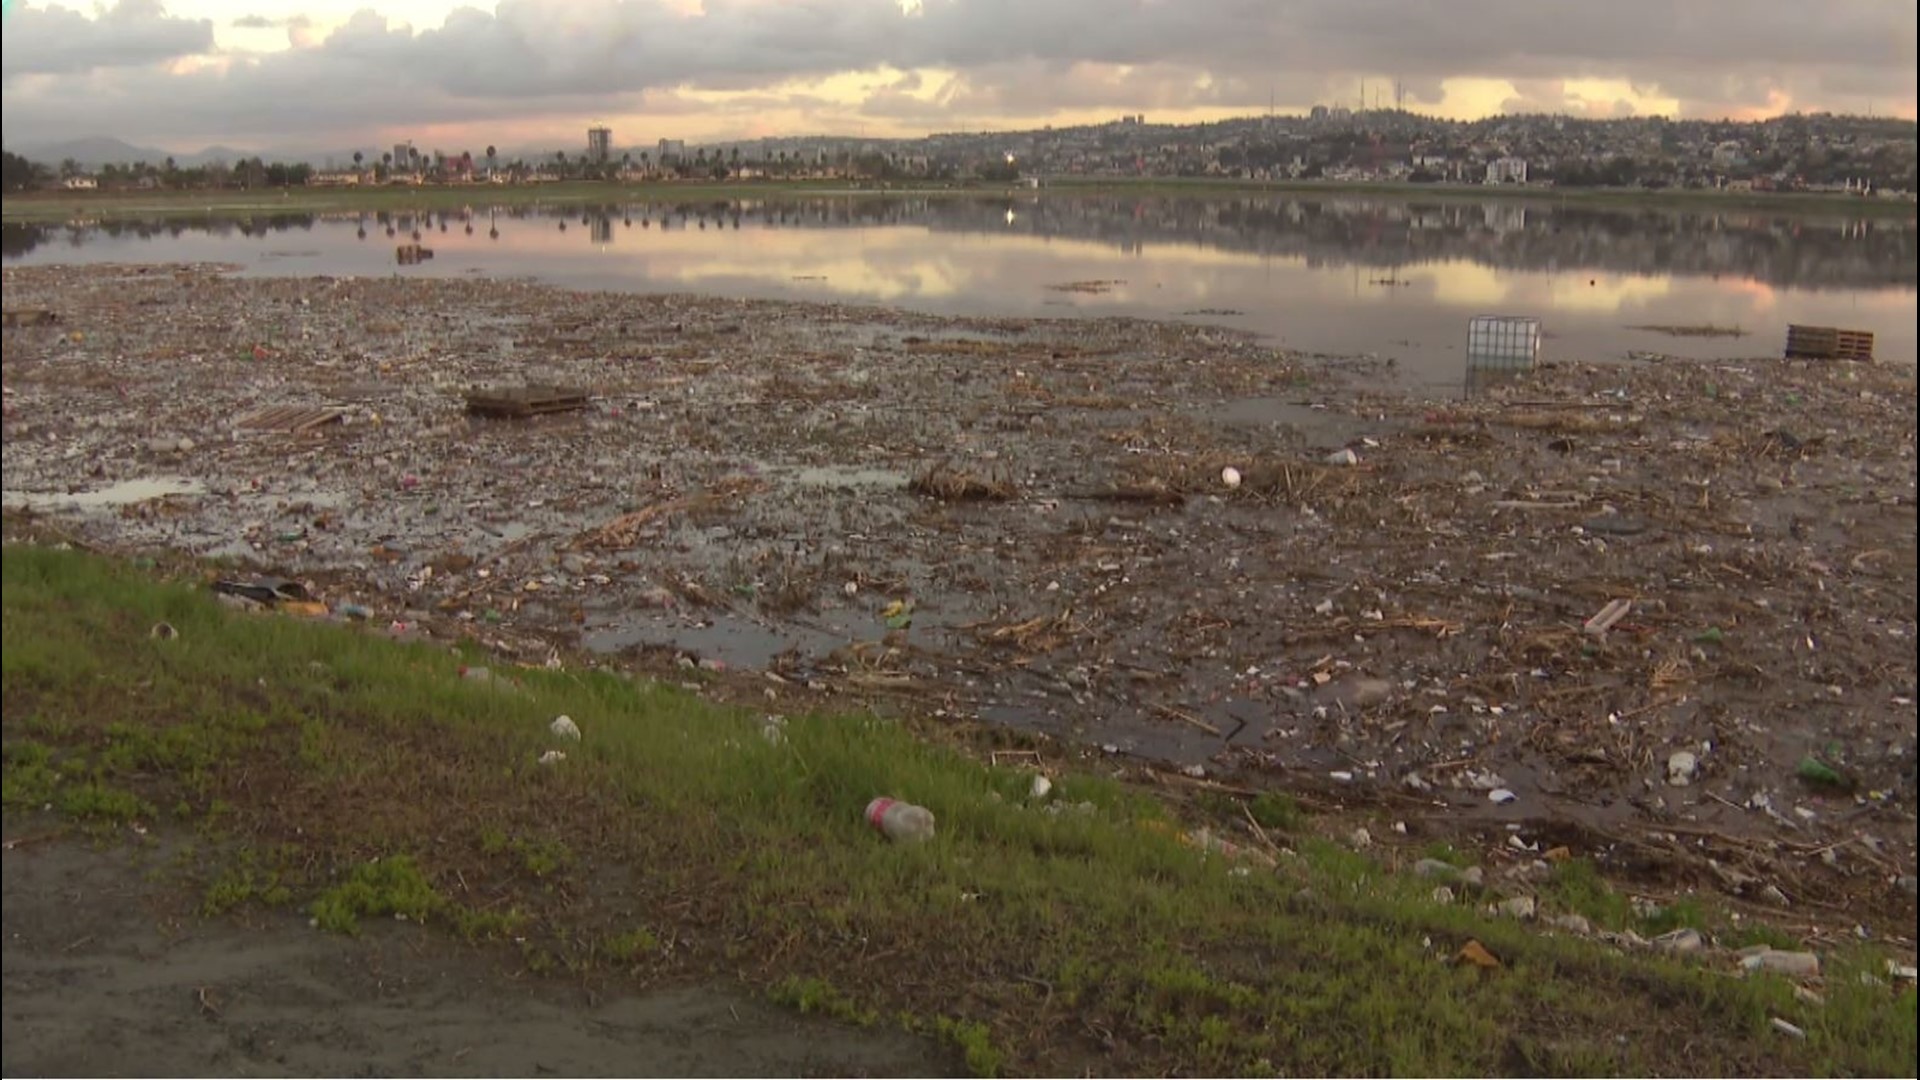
column 975, row 1043
column 630, row 946
column 819, row 997
column 392, row 886
column 370, row 780
column 246, row 882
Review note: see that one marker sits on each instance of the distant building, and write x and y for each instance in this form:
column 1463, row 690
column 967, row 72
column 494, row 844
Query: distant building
column 80, row 183
column 1507, row 170
column 402, row 154
column 599, row 145
column 1729, row 153
column 672, row 150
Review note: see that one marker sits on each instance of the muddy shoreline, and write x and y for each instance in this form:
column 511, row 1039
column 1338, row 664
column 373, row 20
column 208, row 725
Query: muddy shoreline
column 739, row 497
column 133, row 983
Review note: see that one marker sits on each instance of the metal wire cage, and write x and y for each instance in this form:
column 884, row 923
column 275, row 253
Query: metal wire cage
column 1503, row 341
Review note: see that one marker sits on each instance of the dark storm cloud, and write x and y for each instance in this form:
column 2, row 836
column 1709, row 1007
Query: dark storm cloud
column 1014, row 58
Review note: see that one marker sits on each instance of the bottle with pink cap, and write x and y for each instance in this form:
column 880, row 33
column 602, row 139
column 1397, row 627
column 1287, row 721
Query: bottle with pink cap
column 899, row 821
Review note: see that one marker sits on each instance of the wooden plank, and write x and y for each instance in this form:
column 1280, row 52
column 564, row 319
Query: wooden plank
column 27, row 317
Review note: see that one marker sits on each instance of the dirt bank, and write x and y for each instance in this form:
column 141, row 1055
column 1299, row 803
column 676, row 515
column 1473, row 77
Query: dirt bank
column 1026, row 524
column 106, row 975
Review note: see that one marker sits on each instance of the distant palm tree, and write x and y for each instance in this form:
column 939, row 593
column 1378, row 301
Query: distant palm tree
column 358, row 157
column 490, row 155
column 646, row 160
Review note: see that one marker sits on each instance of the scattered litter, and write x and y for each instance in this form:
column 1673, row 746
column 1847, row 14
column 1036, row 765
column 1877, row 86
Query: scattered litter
column 163, row 631
column 265, row 591
column 1796, row 965
column 1682, row 766
column 552, row 757
column 1607, row 617
column 1684, row 940
column 695, row 478
column 1787, row 1029
column 1343, row 457
column 1501, row 796
column 1815, row 771
column 563, row 727
column 949, row 484
column 900, row 822
column 1040, row 788
column 1476, row 954
column 1230, row 476
column 1518, row 907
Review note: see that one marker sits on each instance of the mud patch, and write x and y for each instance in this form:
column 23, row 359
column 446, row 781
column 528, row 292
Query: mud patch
column 104, row 979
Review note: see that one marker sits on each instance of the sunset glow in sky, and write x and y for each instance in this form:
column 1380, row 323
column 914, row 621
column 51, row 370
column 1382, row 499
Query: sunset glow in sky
column 337, row 73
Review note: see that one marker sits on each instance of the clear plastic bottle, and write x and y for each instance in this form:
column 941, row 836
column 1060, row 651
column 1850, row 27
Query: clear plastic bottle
column 900, row 822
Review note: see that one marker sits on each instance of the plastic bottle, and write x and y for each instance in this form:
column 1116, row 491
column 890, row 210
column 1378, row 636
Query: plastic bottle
column 900, row 822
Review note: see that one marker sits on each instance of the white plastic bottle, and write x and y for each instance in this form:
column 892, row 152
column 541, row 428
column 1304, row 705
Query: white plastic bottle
column 900, row 822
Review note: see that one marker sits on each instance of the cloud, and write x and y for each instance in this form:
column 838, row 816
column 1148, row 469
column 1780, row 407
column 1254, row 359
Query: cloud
column 268, row 22
column 58, row 40
column 528, row 62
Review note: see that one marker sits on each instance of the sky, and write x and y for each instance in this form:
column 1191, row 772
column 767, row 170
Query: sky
column 260, row 74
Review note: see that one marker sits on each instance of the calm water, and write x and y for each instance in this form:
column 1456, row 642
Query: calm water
column 1335, row 275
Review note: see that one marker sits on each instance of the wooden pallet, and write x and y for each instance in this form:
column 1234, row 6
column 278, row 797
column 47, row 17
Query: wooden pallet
column 518, row 403
column 1828, row 343
column 292, row 419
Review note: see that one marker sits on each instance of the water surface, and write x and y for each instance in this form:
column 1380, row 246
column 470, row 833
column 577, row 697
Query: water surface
column 1392, row 279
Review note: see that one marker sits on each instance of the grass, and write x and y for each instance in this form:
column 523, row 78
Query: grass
column 354, row 778
column 66, row 206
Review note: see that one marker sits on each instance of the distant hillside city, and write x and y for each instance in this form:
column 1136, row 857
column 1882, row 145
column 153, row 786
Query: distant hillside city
column 1866, row 156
